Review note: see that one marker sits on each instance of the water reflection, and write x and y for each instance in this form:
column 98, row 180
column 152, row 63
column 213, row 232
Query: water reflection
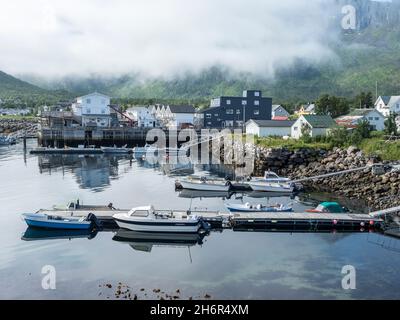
column 91, row 171
column 34, row 234
column 145, row 241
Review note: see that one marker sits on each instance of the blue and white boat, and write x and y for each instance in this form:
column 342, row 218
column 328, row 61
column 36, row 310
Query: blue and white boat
column 247, row 207
column 39, row 220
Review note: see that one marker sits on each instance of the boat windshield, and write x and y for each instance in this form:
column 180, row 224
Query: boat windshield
column 139, row 213
column 269, row 175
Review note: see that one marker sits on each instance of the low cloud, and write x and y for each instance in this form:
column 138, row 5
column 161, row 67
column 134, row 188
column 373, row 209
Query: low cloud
column 160, row 38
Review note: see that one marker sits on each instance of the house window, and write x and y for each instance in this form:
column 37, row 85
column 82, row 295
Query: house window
column 208, row 116
column 228, row 102
column 295, row 128
column 370, row 118
column 237, row 111
column 244, row 102
column 256, row 103
column 376, row 118
column 256, row 112
column 88, row 101
column 229, row 111
column 256, row 94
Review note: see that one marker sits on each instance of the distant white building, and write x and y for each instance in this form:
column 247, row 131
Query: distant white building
column 94, row 109
column 173, row 116
column 388, row 104
column 353, row 119
column 269, row 128
column 318, row 125
column 142, row 116
column 279, row 112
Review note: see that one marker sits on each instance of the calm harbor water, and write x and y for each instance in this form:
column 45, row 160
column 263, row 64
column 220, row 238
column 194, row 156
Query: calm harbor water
column 227, row 265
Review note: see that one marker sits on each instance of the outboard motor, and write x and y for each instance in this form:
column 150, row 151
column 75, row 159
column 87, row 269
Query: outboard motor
column 95, row 222
column 204, row 225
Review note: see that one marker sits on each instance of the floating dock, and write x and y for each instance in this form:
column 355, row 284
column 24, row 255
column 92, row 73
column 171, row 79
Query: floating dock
column 305, row 221
column 249, row 221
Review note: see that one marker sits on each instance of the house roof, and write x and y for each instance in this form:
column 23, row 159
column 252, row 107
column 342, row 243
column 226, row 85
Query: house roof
column 320, row 121
column 182, row 109
column 386, row 99
column 273, row 123
column 275, row 106
column 362, row 112
column 310, row 107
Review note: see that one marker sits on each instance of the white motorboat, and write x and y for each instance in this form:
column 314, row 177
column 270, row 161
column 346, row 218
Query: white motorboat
column 248, row 207
column 204, row 184
column 147, row 219
column 270, row 176
column 116, row 150
column 7, row 140
column 272, row 186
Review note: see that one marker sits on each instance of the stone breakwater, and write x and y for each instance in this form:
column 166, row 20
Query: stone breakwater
column 8, row 126
column 379, row 188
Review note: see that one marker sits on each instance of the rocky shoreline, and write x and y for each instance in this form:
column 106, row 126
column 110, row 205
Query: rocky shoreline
column 10, row 126
column 378, row 186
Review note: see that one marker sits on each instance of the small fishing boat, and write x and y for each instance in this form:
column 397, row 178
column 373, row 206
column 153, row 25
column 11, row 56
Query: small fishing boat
column 270, row 176
column 116, row 150
column 45, row 221
column 6, row 141
column 271, row 186
column 247, row 207
column 328, row 207
column 147, row 219
column 204, row 184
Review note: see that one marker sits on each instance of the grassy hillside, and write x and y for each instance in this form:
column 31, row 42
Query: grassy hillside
column 15, row 91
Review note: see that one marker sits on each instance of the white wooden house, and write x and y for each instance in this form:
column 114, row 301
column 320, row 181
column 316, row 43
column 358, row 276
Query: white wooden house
column 387, row 104
column 269, row 128
column 142, row 116
column 174, row 116
column 318, row 125
column 375, row 119
column 94, row 109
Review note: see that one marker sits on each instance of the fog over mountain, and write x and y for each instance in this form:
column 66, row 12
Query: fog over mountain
column 158, row 38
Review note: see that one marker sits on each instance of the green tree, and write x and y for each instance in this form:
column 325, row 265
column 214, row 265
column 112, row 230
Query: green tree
column 364, row 129
column 332, row 105
column 364, row 100
column 390, row 125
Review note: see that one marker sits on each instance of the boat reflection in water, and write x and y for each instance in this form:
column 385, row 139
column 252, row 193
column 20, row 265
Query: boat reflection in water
column 145, row 241
column 192, row 194
column 33, row 234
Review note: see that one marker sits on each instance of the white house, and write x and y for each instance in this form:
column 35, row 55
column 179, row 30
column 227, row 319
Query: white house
column 373, row 116
column 388, row 104
column 94, row 109
column 318, row 125
column 173, row 116
column 279, row 112
column 142, row 116
column 268, row 128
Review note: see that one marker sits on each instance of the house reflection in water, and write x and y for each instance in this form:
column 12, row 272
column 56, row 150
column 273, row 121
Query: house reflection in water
column 91, row 172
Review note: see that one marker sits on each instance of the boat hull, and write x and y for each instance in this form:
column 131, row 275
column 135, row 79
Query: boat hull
column 233, row 208
column 148, row 226
column 267, row 187
column 204, row 186
column 44, row 223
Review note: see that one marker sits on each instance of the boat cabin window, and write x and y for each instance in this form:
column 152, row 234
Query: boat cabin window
column 140, row 213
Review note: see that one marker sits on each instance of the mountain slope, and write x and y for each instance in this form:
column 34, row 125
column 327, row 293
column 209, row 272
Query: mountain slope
column 13, row 89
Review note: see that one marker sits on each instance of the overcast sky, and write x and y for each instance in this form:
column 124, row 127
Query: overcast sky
column 158, row 37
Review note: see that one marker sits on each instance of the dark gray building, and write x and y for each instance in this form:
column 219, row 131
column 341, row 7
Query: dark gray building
column 234, row 112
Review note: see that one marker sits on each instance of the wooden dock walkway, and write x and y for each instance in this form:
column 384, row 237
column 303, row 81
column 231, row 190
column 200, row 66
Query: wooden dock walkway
column 305, row 220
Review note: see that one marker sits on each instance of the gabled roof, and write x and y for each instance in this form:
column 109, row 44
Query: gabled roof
column 386, row 99
column 310, row 107
column 362, row 112
column 182, row 109
column 320, row 121
column 273, row 123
